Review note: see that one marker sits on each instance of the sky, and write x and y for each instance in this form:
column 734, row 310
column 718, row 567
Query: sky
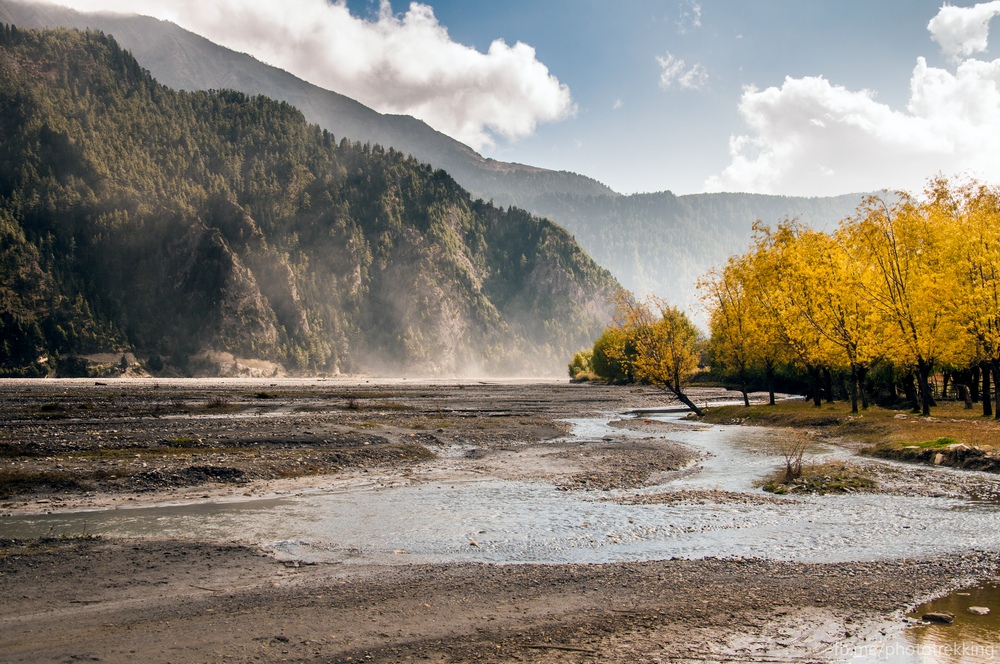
column 785, row 97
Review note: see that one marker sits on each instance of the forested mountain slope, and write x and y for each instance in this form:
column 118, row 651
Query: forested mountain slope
column 661, row 243
column 185, row 61
column 136, row 217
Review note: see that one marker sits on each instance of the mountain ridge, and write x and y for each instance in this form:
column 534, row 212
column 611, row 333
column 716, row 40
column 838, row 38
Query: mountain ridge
column 652, row 242
column 184, row 60
column 190, row 225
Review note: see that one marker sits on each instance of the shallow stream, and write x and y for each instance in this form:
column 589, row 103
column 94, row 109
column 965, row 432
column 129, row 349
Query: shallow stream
column 492, row 520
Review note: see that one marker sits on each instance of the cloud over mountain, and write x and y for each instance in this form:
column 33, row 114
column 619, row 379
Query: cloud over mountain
column 404, row 63
column 812, row 137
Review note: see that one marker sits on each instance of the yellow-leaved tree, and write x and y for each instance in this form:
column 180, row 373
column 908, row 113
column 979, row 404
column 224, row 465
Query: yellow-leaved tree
column 902, row 247
column 730, row 303
column 665, row 341
column 829, row 296
column 785, row 334
column 972, row 214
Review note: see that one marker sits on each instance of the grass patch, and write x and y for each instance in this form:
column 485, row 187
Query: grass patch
column 940, row 442
column 221, row 404
column 875, row 426
column 16, row 451
column 824, row 478
column 789, row 414
column 160, row 451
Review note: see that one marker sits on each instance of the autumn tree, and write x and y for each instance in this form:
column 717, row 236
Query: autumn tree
column 730, row 304
column 901, row 245
column 972, row 212
column 773, row 281
column 829, row 295
column 666, row 344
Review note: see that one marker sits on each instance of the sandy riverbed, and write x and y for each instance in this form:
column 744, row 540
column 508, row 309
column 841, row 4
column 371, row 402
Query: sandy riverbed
column 192, row 600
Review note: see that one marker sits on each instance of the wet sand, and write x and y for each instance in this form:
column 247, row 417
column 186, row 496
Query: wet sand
column 73, row 599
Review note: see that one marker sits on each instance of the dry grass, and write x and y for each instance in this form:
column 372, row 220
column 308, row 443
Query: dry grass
column 823, row 478
column 873, row 426
column 14, row 481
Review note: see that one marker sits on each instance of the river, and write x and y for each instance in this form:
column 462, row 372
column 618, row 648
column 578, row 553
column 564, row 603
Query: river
column 467, row 518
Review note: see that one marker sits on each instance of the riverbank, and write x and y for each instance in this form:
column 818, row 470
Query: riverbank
column 100, row 600
column 952, row 437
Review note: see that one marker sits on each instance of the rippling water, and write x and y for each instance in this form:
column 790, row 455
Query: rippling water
column 504, row 521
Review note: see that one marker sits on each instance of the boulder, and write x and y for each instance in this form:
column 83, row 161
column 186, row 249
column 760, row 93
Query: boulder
column 978, row 610
column 943, row 617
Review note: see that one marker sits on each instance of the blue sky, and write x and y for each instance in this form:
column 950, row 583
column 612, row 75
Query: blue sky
column 676, row 138
column 794, row 97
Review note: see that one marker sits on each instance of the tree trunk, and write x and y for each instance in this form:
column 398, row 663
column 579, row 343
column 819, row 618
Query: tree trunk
column 910, row 389
column 828, row 379
column 769, row 373
column 743, row 389
column 817, row 398
column 687, row 402
column 945, row 377
column 963, row 394
column 924, row 374
column 987, row 399
column 862, row 379
column 995, row 366
column 974, row 383
column 854, row 389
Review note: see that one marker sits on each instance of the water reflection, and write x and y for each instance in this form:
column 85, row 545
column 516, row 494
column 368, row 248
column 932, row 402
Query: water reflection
column 971, row 639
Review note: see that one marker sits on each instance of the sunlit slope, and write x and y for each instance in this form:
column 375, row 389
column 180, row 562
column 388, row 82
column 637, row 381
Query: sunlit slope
column 135, row 216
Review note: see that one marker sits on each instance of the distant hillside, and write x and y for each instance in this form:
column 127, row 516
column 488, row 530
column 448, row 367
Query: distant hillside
column 191, row 226
column 185, row 61
column 661, row 243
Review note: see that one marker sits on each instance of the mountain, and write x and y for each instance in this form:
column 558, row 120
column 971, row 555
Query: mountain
column 651, row 242
column 661, row 243
column 183, row 60
column 185, row 227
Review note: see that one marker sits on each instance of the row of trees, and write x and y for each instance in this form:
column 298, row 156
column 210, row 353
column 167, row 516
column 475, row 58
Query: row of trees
column 902, row 289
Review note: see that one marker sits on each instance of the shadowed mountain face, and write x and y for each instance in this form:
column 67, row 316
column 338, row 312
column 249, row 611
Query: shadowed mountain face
column 183, row 60
column 133, row 216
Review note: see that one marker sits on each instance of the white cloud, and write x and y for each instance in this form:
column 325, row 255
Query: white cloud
column 962, row 31
column 394, row 63
column 689, row 16
column 811, row 137
column 618, row 104
column 676, row 71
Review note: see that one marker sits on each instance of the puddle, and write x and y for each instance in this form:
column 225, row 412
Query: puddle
column 971, row 639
